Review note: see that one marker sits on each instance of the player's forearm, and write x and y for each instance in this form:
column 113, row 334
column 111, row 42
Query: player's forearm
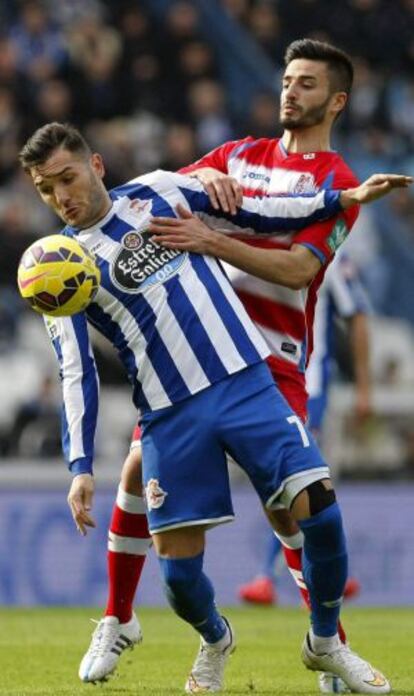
column 360, row 352
column 274, row 265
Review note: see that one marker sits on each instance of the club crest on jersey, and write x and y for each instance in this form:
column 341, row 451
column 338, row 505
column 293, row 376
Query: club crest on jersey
column 154, row 494
column 140, row 206
column 305, row 183
column 141, row 262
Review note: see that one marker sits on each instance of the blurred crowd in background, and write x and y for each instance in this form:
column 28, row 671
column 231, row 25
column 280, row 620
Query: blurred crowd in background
column 157, row 83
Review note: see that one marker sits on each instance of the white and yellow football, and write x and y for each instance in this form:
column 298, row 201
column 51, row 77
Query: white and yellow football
column 57, row 276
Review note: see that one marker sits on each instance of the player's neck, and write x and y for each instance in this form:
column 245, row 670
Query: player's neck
column 307, row 140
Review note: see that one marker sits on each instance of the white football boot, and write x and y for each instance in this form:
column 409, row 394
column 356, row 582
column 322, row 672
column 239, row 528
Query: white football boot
column 109, row 639
column 207, row 674
column 357, row 674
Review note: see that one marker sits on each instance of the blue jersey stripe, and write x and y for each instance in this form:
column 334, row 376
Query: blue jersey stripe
column 160, row 205
column 116, row 228
column 230, row 319
column 196, row 334
column 161, row 359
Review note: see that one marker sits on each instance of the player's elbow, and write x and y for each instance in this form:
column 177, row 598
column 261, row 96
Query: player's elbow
column 299, row 278
column 301, row 269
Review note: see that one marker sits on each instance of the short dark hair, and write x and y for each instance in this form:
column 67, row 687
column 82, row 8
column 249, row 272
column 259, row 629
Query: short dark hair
column 339, row 63
column 49, row 138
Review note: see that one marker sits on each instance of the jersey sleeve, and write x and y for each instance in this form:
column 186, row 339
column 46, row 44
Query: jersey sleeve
column 325, row 237
column 262, row 214
column 217, row 158
column 80, row 387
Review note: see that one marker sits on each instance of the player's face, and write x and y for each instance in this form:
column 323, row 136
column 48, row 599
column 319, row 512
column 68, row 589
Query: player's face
column 306, row 97
column 72, row 186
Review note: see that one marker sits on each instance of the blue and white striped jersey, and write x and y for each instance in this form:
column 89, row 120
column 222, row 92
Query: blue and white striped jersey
column 173, row 317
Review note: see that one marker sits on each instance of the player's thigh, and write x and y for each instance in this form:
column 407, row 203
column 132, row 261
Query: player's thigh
column 131, row 474
column 184, row 467
column 272, row 445
column 185, row 542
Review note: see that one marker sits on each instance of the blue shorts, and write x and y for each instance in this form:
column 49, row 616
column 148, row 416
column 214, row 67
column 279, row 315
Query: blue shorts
column 184, row 450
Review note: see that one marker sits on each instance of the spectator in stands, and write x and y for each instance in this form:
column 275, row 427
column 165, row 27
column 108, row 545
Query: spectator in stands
column 40, row 46
column 35, row 431
column 209, row 114
column 179, row 146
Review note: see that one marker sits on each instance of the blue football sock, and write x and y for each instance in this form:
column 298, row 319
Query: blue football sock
column 325, row 566
column 191, row 595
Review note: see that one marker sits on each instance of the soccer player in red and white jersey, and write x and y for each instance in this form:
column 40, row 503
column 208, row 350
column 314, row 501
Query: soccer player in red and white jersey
column 278, row 284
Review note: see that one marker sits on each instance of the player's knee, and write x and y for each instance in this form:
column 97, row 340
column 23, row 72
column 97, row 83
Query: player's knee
column 324, row 532
column 312, row 500
column 320, row 497
column 131, row 476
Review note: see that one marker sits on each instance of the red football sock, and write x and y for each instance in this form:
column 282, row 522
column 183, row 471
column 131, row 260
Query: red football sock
column 293, row 557
column 128, row 543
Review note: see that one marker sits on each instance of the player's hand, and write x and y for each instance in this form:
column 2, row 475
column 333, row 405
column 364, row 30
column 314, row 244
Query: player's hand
column 80, row 502
column 377, row 186
column 223, row 190
column 363, row 405
column 186, row 232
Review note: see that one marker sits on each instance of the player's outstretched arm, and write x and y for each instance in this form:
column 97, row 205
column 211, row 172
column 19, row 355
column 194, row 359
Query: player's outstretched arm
column 377, row 186
column 294, row 268
column 80, row 499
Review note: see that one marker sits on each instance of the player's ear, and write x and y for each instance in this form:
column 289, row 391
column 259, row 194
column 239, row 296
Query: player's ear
column 338, row 102
column 97, row 164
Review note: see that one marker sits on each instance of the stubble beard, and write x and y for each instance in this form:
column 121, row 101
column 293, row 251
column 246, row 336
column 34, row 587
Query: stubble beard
column 306, row 119
column 97, row 202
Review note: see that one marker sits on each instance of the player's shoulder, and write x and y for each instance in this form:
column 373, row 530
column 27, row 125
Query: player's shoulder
column 251, row 146
column 343, row 174
column 158, row 182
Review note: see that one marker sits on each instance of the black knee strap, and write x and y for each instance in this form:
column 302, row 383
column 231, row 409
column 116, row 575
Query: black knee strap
column 319, row 497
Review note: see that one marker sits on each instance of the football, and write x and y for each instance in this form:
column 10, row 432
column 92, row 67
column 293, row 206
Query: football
column 57, row 276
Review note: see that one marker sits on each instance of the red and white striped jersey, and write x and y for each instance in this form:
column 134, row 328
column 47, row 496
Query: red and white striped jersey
column 285, row 316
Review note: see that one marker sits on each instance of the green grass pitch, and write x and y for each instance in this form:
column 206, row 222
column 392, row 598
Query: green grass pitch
column 40, row 650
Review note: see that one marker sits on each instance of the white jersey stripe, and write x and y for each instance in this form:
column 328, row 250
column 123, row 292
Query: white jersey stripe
column 72, row 388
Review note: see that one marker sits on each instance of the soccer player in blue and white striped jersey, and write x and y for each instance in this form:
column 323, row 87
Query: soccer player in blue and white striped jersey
column 196, row 366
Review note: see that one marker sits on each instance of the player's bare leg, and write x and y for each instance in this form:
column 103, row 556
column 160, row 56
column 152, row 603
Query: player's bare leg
column 191, row 595
column 128, row 542
column 324, row 571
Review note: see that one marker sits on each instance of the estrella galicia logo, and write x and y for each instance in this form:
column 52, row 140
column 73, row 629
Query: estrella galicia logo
column 141, row 263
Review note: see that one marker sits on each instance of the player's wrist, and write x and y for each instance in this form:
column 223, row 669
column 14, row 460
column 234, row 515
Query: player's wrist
column 348, row 198
column 83, row 465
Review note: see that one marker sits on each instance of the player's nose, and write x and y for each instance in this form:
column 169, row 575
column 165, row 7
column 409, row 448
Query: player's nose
column 62, row 197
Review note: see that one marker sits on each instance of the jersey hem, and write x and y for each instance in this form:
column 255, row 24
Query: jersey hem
column 230, row 373
column 295, row 486
column 212, row 522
